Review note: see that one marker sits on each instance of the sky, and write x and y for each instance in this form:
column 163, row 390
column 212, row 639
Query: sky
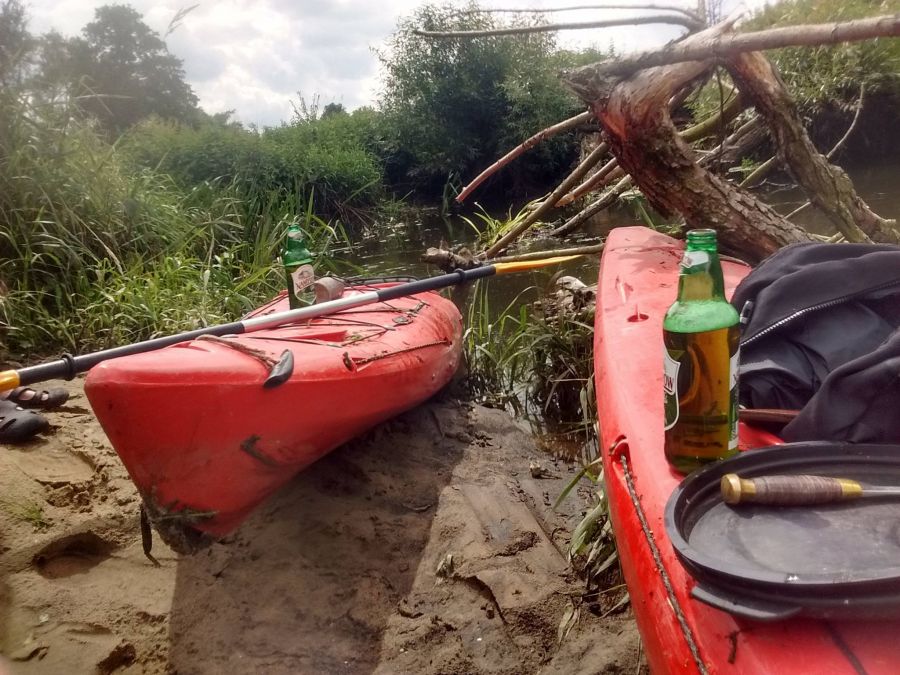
column 254, row 57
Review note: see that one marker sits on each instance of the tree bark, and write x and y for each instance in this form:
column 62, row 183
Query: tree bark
column 827, row 186
column 641, row 134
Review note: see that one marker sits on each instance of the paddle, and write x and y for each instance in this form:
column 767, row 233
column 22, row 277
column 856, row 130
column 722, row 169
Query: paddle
column 69, row 366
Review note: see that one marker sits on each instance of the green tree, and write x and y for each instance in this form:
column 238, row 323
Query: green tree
column 124, row 72
column 16, row 43
column 333, row 109
column 455, row 104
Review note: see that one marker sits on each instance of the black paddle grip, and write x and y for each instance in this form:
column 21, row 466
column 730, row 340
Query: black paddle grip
column 68, row 366
column 434, row 283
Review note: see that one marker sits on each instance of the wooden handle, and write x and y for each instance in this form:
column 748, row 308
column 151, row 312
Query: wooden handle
column 787, row 490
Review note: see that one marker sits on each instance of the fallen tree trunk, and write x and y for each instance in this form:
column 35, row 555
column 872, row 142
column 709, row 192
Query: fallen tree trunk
column 827, row 186
column 641, row 134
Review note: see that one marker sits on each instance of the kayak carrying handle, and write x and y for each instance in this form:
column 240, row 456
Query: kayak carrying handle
column 753, row 609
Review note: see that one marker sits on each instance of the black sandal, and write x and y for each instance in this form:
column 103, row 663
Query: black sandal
column 18, row 425
column 44, row 399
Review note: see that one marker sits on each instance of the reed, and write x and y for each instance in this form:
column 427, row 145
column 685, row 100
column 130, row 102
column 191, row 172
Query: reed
column 94, row 253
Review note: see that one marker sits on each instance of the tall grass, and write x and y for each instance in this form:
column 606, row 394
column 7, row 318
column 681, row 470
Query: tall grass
column 534, row 361
column 94, row 254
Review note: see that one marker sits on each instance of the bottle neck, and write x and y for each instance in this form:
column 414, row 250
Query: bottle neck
column 701, row 276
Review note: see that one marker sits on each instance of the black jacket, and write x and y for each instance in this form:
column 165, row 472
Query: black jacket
column 822, row 334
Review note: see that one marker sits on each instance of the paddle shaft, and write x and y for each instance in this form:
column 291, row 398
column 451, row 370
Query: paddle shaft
column 69, row 366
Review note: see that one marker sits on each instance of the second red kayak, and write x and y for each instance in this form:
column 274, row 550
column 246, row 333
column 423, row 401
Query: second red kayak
column 205, row 441
column 638, row 282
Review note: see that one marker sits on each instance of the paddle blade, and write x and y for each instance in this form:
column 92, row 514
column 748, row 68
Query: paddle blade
column 524, row 265
column 9, row 379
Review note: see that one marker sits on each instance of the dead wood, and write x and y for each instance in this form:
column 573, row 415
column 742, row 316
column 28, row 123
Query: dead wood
column 826, row 185
column 539, row 137
column 604, row 202
column 677, row 19
column 549, row 203
column 608, row 172
column 550, row 10
column 611, row 171
column 837, row 146
column 641, row 134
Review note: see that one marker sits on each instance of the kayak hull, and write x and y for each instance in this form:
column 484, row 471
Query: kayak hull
column 205, row 442
column 638, row 282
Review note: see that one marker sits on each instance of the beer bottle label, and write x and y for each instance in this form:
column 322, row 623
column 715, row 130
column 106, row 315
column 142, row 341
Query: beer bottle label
column 699, row 382
column 733, row 368
column 303, row 277
column 670, row 387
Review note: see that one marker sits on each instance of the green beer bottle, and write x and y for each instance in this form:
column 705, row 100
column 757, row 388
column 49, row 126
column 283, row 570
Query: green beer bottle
column 298, row 268
column 701, row 337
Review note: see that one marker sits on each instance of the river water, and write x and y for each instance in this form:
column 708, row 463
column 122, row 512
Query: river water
column 397, row 250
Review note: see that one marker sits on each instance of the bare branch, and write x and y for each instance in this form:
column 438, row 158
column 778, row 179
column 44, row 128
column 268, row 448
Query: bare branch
column 840, row 143
column 548, row 204
column 760, row 172
column 827, row 186
column 598, row 180
column 538, row 255
column 690, row 24
column 540, row 136
column 662, row 8
column 735, row 43
column 608, row 199
column 641, row 134
column 700, row 130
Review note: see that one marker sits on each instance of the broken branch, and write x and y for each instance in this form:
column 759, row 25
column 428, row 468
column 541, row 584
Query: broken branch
column 605, row 201
column 598, row 180
column 549, row 203
column 827, row 186
column 540, row 136
column 839, row 144
column 688, row 23
column 734, row 43
column 573, row 8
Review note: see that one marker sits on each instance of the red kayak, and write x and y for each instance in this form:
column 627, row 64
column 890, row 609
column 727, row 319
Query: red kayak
column 638, row 282
column 205, row 442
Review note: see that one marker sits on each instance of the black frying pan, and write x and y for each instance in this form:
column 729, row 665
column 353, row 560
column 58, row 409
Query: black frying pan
column 773, row 562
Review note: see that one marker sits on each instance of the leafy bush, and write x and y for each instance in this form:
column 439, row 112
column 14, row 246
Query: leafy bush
column 333, row 157
column 94, row 254
column 456, row 104
column 822, row 75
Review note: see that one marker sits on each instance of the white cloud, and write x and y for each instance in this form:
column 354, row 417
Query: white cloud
column 254, row 57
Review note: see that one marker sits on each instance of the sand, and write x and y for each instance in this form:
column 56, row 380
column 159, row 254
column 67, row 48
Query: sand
column 426, row 546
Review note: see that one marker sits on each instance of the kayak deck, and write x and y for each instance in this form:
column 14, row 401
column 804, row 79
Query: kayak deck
column 638, row 282
column 205, row 441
